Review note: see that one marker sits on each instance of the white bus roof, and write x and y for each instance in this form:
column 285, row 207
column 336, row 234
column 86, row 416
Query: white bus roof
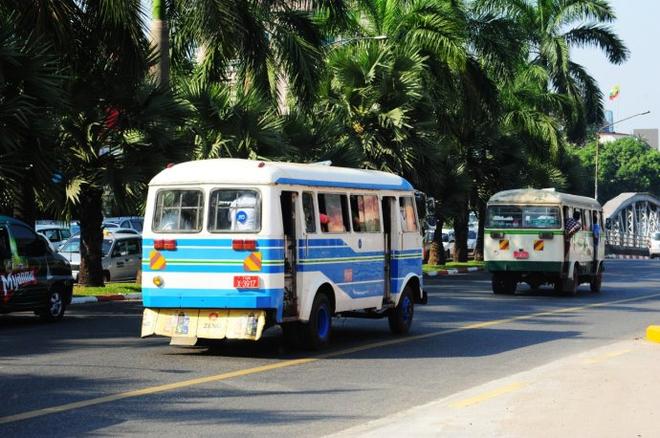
column 541, row 197
column 252, row 172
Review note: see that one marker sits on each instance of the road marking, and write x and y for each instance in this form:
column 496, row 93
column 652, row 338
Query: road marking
column 487, row 395
column 295, row 362
column 604, row 357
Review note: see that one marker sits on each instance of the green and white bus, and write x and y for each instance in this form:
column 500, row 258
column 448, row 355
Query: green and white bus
column 525, row 241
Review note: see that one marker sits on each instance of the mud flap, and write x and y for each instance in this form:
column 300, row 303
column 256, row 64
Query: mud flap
column 184, row 326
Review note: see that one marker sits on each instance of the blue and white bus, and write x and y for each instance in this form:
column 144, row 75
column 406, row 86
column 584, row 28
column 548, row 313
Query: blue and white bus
column 232, row 247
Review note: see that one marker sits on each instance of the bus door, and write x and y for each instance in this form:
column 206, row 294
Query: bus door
column 391, row 241
column 288, row 201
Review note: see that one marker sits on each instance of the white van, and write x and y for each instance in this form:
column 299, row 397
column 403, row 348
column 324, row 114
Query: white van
column 232, row 247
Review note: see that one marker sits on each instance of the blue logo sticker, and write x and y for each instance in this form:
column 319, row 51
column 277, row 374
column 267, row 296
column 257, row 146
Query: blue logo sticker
column 241, row 217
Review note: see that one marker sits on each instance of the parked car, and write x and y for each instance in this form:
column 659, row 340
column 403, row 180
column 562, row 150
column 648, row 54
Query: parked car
column 132, row 222
column 654, row 245
column 55, row 234
column 32, row 276
column 122, row 254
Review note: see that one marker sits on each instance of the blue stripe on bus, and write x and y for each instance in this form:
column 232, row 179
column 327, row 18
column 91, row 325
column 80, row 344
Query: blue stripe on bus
column 213, row 298
column 405, row 185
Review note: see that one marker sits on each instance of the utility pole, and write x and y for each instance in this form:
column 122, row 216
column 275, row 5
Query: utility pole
column 598, row 145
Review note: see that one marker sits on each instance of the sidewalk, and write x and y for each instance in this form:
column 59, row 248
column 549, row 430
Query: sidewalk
column 612, row 391
column 101, row 298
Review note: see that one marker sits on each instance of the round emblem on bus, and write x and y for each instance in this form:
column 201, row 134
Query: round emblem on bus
column 241, row 216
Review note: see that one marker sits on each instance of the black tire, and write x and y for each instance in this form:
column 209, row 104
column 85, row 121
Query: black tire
column 503, row 283
column 315, row 334
column 571, row 284
column 55, row 307
column 401, row 317
column 596, row 283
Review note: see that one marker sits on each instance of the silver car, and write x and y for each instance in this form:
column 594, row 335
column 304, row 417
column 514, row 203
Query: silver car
column 122, row 255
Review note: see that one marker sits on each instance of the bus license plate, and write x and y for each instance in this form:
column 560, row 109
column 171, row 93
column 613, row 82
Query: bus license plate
column 246, row 282
column 521, row 254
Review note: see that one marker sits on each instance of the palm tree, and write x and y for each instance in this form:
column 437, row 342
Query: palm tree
column 269, row 46
column 30, row 96
column 553, row 28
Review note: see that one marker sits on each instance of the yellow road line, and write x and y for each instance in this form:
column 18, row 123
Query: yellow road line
column 604, row 357
column 487, row 395
column 295, row 362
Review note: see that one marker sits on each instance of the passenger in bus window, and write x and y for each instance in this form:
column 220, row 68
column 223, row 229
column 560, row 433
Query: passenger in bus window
column 572, row 224
column 596, row 230
column 324, row 219
column 242, row 212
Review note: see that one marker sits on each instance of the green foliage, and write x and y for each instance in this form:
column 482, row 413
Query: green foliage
column 625, row 165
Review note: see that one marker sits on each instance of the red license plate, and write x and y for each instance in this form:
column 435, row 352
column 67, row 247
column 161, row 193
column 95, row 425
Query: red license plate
column 521, row 254
column 246, row 282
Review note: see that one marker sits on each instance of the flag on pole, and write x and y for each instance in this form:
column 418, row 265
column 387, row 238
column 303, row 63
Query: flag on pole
column 614, row 92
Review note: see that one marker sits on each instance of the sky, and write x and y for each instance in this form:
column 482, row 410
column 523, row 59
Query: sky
column 638, row 25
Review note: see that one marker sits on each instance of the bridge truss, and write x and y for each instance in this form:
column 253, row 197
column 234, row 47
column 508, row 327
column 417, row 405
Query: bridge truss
column 632, row 218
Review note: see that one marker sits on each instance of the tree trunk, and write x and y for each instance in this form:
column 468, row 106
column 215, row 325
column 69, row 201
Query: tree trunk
column 437, row 251
column 91, row 238
column 479, row 247
column 461, row 232
column 160, row 39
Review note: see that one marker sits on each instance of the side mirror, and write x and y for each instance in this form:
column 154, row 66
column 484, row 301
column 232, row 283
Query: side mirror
column 608, row 224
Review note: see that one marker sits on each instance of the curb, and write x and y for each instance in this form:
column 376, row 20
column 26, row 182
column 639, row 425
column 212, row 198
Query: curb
column 103, row 298
column 653, row 333
column 454, row 271
column 626, row 257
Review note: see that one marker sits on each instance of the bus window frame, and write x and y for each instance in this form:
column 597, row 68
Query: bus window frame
column 380, row 212
column 401, row 221
column 346, row 220
column 207, row 212
column 179, row 188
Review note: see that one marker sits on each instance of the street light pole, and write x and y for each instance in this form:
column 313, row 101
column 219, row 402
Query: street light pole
column 598, row 144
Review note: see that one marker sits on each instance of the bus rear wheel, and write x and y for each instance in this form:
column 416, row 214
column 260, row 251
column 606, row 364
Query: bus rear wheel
column 315, row 334
column 400, row 318
column 504, row 283
column 571, row 284
column 596, row 283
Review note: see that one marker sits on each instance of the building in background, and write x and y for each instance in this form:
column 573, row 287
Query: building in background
column 608, row 137
column 650, row 136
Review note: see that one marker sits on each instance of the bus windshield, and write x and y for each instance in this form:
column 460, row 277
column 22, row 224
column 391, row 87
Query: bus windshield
column 515, row 216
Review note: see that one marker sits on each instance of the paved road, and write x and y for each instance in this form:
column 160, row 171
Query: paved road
column 90, row 365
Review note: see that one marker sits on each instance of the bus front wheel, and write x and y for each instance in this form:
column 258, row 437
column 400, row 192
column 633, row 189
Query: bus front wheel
column 504, row 283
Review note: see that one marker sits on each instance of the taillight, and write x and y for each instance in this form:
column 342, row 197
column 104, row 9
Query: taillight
column 244, row 245
column 168, row 245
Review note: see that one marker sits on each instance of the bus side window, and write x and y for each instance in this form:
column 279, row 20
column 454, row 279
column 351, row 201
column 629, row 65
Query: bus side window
column 333, row 213
column 309, row 212
column 587, row 215
column 365, row 210
column 408, row 219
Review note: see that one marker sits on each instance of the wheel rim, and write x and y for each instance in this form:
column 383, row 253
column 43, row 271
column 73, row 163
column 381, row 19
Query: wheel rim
column 322, row 322
column 55, row 304
column 406, row 310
